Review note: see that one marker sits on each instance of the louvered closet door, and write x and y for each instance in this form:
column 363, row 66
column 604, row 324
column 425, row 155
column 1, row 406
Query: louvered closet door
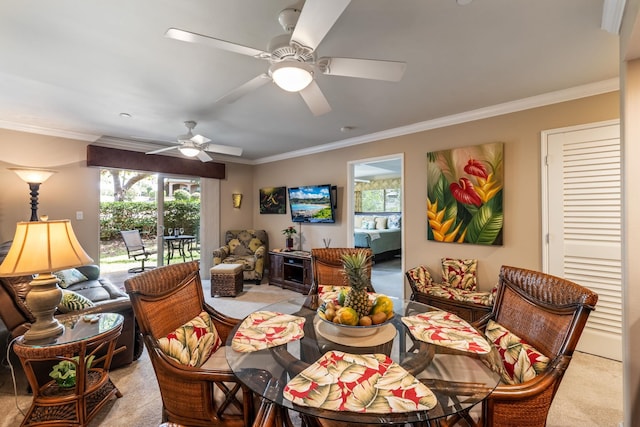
column 584, row 225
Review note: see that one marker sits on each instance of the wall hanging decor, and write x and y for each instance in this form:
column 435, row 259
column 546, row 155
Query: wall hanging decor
column 464, row 194
column 273, row 200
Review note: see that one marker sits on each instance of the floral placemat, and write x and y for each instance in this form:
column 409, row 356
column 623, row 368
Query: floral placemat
column 265, row 329
column 371, row 383
column 448, row 330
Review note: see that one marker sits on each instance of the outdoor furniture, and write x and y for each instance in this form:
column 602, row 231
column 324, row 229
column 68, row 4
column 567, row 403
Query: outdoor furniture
column 135, row 249
column 548, row 313
column 201, row 390
column 179, row 243
column 226, row 280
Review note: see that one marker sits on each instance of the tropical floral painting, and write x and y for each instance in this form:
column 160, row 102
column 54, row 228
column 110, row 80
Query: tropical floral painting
column 273, row 200
column 464, row 194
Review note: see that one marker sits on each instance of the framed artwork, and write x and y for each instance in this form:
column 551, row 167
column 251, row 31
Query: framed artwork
column 464, row 194
column 273, row 200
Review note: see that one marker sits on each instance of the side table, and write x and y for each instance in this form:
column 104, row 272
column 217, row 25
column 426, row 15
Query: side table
column 83, row 337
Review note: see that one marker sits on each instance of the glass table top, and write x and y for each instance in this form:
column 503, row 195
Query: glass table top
column 78, row 328
column 458, row 379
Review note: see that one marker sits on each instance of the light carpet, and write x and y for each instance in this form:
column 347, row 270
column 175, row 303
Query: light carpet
column 590, row 394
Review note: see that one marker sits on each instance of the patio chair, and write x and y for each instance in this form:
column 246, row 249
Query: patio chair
column 200, row 390
column 136, row 250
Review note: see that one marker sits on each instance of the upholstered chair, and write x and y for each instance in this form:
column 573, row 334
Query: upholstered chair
column 541, row 318
column 196, row 383
column 247, row 247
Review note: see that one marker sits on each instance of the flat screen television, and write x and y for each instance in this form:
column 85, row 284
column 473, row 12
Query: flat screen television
column 312, row 203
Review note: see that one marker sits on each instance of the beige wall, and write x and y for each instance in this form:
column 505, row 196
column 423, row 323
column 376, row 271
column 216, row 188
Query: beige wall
column 73, row 188
column 239, row 180
column 520, row 133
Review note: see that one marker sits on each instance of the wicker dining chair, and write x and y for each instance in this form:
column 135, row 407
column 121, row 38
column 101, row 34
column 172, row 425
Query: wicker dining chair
column 549, row 313
column 163, row 300
column 326, row 264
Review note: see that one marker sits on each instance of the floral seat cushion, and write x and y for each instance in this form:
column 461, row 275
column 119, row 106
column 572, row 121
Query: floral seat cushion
column 266, row 329
column 521, row 362
column 425, row 284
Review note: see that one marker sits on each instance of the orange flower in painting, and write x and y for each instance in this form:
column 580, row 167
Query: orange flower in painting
column 465, row 193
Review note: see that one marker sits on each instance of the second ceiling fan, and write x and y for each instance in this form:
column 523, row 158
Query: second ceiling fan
column 292, row 55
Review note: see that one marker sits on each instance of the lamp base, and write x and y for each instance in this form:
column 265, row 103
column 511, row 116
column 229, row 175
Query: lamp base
column 42, row 300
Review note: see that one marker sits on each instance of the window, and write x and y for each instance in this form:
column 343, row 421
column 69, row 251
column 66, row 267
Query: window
column 382, row 200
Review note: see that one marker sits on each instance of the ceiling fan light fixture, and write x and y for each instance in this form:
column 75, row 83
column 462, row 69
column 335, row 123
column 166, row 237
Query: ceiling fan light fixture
column 189, row 149
column 291, row 76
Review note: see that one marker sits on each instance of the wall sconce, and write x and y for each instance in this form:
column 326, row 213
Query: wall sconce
column 40, row 248
column 237, row 200
column 33, row 177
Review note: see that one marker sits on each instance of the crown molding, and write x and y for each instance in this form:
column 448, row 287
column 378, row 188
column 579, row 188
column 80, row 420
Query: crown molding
column 550, row 98
column 48, row 131
column 612, row 12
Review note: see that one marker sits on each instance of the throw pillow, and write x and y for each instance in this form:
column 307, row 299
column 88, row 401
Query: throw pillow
column 381, row 223
column 357, row 222
column 421, row 276
column 192, row 343
column 520, row 360
column 460, row 273
column 394, row 221
column 73, row 301
column 69, row 277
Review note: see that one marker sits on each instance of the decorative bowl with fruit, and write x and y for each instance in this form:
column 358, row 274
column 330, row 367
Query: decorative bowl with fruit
column 346, row 321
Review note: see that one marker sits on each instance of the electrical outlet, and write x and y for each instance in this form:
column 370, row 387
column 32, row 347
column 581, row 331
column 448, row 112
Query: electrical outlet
column 79, row 215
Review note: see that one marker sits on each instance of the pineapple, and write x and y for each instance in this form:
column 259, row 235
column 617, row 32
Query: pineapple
column 356, row 270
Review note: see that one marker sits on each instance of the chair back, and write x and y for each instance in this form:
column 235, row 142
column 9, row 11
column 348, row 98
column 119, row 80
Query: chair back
column 246, row 242
column 166, row 297
column 547, row 311
column 327, row 266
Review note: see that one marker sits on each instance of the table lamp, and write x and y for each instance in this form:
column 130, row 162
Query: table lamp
column 40, row 248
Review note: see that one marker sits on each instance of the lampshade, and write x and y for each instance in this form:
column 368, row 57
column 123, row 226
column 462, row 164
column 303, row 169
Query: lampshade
column 292, row 76
column 33, row 176
column 42, row 247
column 189, row 149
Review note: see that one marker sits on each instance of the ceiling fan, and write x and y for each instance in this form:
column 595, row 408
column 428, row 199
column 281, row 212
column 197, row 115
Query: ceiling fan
column 292, row 55
column 191, row 145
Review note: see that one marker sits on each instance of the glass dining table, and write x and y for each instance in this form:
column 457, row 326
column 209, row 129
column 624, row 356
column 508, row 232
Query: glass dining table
column 455, row 380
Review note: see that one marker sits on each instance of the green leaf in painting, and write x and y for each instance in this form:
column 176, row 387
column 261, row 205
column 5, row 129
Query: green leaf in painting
column 485, row 226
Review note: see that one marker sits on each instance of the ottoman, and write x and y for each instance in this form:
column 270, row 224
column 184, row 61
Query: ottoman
column 226, row 280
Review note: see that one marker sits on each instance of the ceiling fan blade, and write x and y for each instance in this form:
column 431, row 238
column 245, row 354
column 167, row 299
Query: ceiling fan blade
column 243, row 89
column 363, row 68
column 162, row 150
column 224, row 149
column 204, row 156
column 199, row 139
column 315, row 99
column 187, row 36
column 315, row 21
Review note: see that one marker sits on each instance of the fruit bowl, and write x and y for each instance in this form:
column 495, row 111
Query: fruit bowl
column 354, row 331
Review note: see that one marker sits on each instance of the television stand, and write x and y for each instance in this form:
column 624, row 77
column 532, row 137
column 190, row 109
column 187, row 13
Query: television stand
column 291, row 270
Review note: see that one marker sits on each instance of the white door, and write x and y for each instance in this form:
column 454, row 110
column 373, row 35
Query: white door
column 582, row 223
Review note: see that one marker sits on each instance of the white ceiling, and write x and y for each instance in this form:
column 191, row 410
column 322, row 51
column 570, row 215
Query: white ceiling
column 71, row 67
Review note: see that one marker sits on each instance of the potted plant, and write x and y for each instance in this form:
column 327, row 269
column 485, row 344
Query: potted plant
column 64, row 372
column 289, row 231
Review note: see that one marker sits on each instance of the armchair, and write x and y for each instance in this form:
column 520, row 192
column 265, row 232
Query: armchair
column 548, row 314
column 198, row 389
column 246, row 247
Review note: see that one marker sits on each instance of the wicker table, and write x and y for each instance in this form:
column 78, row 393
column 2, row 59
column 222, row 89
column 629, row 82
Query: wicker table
column 77, row 405
column 226, row 280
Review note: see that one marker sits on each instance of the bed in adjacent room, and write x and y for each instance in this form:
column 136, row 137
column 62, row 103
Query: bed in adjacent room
column 380, row 232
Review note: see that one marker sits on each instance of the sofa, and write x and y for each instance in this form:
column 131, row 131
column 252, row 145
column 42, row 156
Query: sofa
column 246, row 247
column 103, row 295
column 456, row 292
